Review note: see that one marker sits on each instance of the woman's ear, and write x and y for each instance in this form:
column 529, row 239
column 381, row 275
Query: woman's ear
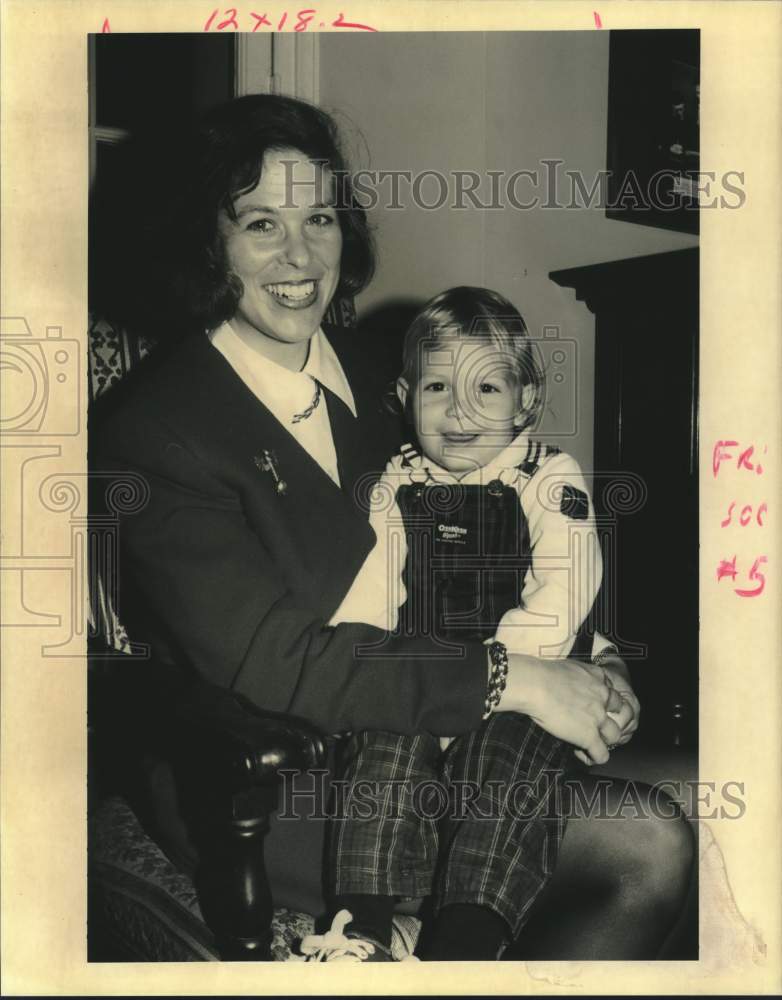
column 402, row 390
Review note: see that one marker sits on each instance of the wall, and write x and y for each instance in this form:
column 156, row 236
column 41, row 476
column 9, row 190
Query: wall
column 489, row 101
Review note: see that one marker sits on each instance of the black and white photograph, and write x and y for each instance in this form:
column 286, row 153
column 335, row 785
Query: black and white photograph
column 376, row 381
column 388, row 529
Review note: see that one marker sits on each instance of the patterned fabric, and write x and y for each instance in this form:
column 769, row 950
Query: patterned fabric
column 112, row 353
column 140, row 900
column 393, row 853
column 137, row 895
column 499, row 837
column 505, row 860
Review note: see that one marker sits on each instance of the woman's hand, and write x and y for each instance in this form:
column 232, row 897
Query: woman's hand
column 568, row 699
column 628, row 717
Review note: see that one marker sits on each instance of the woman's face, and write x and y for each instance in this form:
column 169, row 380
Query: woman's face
column 285, row 246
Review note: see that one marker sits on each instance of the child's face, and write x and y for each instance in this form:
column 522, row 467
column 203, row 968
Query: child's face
column 465, row 402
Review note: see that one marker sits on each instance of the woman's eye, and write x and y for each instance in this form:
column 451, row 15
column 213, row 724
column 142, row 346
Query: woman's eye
column 434, row 387
column 322, row 220
column 261, row 226
column 486, row 387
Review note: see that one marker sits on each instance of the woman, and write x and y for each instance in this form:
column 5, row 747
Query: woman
column 258, row 436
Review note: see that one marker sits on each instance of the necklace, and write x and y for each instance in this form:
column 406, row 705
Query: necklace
column 305, row 414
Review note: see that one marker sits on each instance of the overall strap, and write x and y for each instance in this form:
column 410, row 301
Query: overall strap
column 537, row 454
column 413, row 465
column 410, row 456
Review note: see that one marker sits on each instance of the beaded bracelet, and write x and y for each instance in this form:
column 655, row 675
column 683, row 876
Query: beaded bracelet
column 498, row 676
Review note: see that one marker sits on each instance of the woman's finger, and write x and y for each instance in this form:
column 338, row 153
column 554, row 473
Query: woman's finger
column 624, row 717
column 634, row 706
column 610, row 732
column 614, row 702
column 598, row 751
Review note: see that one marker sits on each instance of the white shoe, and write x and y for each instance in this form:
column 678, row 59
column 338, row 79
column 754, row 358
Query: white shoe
column 335, row 946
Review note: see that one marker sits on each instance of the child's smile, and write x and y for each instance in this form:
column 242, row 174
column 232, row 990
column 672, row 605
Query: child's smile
column 467, row 402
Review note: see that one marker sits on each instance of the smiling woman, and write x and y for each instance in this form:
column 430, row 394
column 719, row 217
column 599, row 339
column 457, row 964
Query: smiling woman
column 257, row 195
column 283, row 242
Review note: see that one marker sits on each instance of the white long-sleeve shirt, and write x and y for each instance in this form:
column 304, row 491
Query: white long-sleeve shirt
column 566, row 565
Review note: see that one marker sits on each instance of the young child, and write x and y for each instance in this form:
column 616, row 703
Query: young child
column 481, row 532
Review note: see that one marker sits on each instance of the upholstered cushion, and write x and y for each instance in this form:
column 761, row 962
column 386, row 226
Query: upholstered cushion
column 141, row 901
column 112, row 354
column 148, row 910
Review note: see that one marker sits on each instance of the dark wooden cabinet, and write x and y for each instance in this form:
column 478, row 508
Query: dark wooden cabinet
column 646, row 475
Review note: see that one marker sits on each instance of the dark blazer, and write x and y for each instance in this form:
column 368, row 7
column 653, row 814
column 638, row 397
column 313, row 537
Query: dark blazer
column 226, row 576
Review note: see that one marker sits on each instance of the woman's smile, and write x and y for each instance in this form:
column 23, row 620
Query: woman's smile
column 294, row 294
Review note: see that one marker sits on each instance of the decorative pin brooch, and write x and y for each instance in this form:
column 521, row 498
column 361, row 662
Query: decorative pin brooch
column 267, row 462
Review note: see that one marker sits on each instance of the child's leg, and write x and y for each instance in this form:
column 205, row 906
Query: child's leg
column 502, row 837
column 381, row 850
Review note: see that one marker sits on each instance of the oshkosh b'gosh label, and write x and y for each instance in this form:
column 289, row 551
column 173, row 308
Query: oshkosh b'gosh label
column 453, row 534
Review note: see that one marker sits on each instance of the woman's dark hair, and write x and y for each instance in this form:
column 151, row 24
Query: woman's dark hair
column 158, row 261
column 468, row 311
column 225, row 161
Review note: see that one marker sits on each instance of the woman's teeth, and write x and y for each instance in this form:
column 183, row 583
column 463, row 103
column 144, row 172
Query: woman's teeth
column 289, row 291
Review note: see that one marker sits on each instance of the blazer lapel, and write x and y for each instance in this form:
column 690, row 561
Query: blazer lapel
column 364, row 443
column 248, row 429
column 348, row 441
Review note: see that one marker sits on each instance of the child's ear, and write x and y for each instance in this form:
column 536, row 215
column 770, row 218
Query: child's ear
column 402, row 390
column 527, row 404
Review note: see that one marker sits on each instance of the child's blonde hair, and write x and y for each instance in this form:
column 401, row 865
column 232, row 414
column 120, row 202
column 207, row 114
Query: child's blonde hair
column 469, row 311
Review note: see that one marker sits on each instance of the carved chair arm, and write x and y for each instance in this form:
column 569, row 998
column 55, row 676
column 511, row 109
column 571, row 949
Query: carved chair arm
column 245, row 745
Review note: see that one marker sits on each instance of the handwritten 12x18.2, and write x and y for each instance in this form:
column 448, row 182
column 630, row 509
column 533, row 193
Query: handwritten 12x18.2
column 300, row 20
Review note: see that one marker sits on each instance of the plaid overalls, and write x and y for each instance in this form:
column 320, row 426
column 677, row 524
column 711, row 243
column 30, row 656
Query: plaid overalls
column 481, row 823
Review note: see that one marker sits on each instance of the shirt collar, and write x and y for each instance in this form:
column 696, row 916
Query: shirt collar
column 510, row 456
column 272, row 382
column 323, row 364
